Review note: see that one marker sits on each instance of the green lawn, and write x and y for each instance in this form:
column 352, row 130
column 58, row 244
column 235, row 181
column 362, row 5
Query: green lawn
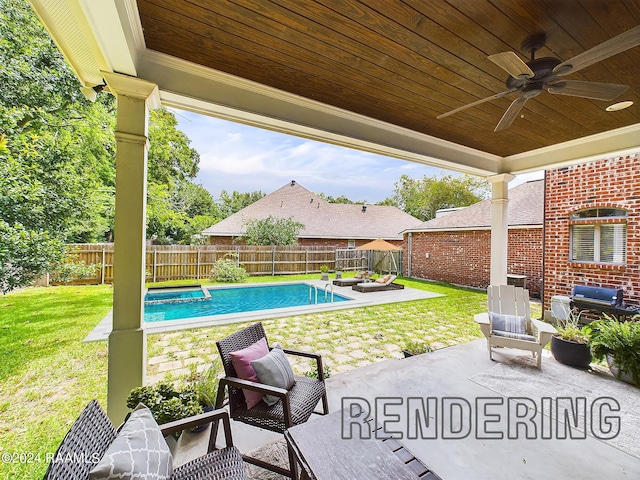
column 47, row 375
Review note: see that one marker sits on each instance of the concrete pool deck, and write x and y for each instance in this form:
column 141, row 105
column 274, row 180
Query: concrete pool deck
column 357, row 300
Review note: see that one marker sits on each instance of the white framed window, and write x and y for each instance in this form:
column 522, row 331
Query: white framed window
column 351, row 244
column 595, row 239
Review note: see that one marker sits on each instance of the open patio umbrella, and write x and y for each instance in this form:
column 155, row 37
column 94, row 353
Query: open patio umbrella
column 379, row 245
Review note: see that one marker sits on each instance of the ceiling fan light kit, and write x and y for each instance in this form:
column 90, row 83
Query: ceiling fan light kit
column 530, row 79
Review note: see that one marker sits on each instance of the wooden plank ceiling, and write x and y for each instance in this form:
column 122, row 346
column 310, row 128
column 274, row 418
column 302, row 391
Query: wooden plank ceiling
column 405, row 62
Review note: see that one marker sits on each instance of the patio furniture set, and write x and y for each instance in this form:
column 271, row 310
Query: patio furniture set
column 259, row 389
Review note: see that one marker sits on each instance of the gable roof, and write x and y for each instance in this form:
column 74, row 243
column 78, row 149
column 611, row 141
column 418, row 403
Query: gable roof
column 320, row 219
column 526, row 209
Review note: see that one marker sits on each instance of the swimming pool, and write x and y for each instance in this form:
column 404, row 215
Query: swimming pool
column 238, row 300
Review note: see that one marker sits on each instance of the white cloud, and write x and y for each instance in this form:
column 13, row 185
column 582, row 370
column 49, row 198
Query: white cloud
column 243, row 158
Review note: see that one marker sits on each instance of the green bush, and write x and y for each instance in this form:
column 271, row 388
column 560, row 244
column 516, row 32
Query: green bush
column 417, row 347
column 72, row 269
column 227, row 269
column 166, row 402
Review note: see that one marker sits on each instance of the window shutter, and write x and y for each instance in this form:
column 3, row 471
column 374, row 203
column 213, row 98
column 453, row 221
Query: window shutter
column 582, row 243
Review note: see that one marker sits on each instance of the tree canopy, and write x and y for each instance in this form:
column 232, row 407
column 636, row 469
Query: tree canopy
column 272, row 231
column 423, row 197
column 57, row 159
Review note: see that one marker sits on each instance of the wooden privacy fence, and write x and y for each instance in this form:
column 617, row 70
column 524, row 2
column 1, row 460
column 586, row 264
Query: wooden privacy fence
column 175, row 262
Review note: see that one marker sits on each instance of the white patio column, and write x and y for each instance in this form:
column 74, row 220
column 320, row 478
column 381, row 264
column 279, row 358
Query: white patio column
column 499, row 227
column 127, row 341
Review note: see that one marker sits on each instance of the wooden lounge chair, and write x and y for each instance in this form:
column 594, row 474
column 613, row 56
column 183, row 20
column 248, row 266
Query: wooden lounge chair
column 379, row 285
column 93, row 433
column 294, row 407
column 508, row 322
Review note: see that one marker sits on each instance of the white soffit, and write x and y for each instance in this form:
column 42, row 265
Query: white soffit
column 66, row 23
column 618, row 142
column 106, row 24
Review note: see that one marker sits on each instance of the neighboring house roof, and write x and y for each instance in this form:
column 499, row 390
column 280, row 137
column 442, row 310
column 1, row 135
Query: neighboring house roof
column 320, row 219
column 526, row 208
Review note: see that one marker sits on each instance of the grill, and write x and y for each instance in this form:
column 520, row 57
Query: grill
column 601, row 300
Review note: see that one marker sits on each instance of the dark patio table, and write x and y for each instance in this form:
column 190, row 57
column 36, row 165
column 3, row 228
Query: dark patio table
column 324, row 454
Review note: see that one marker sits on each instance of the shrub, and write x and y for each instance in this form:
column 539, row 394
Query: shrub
column 417, row 347
column 166, row 403
column 72, row 269
column 226, row 269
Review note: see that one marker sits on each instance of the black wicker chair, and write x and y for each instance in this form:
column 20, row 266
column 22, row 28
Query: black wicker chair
column 92, row 433
column 296, row 405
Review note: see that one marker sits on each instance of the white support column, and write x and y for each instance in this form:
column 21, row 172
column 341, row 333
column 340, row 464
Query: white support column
column 127, row 341
column 499, row 227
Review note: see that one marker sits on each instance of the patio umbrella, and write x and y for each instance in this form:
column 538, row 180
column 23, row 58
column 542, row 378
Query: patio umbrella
column 379, row 245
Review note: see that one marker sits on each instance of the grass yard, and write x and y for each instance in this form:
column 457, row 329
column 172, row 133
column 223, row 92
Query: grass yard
column 47, row 375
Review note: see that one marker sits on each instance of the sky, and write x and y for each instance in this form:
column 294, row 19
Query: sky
column 243, row 158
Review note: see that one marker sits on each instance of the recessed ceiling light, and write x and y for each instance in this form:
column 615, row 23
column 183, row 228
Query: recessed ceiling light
column 619, row 106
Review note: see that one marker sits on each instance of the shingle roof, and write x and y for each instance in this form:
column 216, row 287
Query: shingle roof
column 526, row 208
column 321, row 219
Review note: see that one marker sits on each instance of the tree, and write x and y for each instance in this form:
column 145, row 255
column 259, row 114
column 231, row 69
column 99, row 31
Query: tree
column 57, row 157
column 55, row 152
column 194, row 200
column 230, row 204
column 422, row 198
column 171, row 159
column 341, row 199
column 272, row 231
column 25, row 255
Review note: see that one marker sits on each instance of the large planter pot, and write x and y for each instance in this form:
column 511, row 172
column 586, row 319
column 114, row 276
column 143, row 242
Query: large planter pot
column 203, row 427
column 624, row 376
column 570, row 353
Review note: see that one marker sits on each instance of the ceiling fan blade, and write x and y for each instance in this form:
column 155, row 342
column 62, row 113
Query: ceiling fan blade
column 512, row 64
column 511, row 113
column 618, row 44
column 477, row 102
column 595, row 90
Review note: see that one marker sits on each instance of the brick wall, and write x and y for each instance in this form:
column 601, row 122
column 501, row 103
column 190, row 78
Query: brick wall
column 464, row 257
column 308, row 242
column 612, row 183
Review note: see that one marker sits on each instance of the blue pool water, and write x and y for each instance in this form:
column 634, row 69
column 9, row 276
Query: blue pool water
column 240, row 299
column 176, row 295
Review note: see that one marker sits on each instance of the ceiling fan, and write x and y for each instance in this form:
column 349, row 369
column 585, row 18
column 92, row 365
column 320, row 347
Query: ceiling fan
column 530, row 79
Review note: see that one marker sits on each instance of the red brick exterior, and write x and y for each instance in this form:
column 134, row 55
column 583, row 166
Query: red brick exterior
column 464, row 257
column 308, row 242
column 611, row 183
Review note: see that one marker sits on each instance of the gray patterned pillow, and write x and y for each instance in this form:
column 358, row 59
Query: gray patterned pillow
column 139, row 452
column 274, row 369
column 510, row 326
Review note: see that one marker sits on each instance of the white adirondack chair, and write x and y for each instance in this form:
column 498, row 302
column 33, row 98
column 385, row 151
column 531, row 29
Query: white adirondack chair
column 513, row 301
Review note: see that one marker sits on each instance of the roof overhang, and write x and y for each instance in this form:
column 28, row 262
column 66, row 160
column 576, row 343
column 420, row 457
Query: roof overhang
column 107, row 36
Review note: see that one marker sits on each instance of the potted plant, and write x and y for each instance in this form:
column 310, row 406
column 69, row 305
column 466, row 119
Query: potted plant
column 324, row 270
column 619, row 343
column 570, row 345
column 416, row 347
column 205, row 386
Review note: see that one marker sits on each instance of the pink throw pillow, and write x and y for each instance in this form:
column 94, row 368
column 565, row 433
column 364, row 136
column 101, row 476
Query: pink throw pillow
column 241, row 361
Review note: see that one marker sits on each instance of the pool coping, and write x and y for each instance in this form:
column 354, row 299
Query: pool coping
column 357, row 300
